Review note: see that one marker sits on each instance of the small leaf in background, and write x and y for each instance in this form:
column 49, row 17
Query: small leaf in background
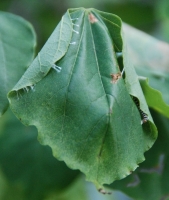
column 127, row 9
column 151, row 60
column 155, row 98
column 28, row 168
column 150, row 181
column 81, row 104
column 76, row 190
column 17, row 45
column 162, row 15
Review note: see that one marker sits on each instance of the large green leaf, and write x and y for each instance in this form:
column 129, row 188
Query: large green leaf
column 150, row 181
column 17, row 44
column 150, row 58
column 82, row 106
column 29, row 169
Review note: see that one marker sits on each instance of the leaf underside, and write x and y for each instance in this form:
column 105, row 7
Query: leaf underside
column 82, row 111
column 150, row 58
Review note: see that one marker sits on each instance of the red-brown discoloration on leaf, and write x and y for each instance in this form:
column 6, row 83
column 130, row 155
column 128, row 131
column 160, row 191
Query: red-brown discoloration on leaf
column 92, row 18
column 115, row 77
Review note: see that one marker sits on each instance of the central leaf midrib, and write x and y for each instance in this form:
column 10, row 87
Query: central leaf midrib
column 107, row 128
column 98, row 66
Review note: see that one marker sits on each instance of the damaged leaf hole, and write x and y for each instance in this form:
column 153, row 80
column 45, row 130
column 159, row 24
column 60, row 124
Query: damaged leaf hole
column 119, row 56
column 144, row 116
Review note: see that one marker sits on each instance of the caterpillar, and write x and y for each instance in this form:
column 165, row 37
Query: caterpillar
column 143, row 115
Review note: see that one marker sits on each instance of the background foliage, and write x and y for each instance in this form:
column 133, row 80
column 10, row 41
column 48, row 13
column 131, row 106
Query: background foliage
column 150, row 16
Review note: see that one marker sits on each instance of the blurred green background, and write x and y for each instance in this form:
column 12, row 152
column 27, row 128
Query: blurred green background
column 151, row 16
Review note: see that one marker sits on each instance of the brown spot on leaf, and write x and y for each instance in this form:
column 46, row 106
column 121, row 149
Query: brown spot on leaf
column 115, row 77
column 92, row 18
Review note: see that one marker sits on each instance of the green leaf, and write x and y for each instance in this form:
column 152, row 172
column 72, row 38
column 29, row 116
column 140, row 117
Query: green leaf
column 154, row 97
column 53, row 50
column 85, row 111
column 113, row 24
column 74, row 191
column 10, row 191
column 150, row 58
column 150, row 181
column 28, row 167
column 17, row 44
